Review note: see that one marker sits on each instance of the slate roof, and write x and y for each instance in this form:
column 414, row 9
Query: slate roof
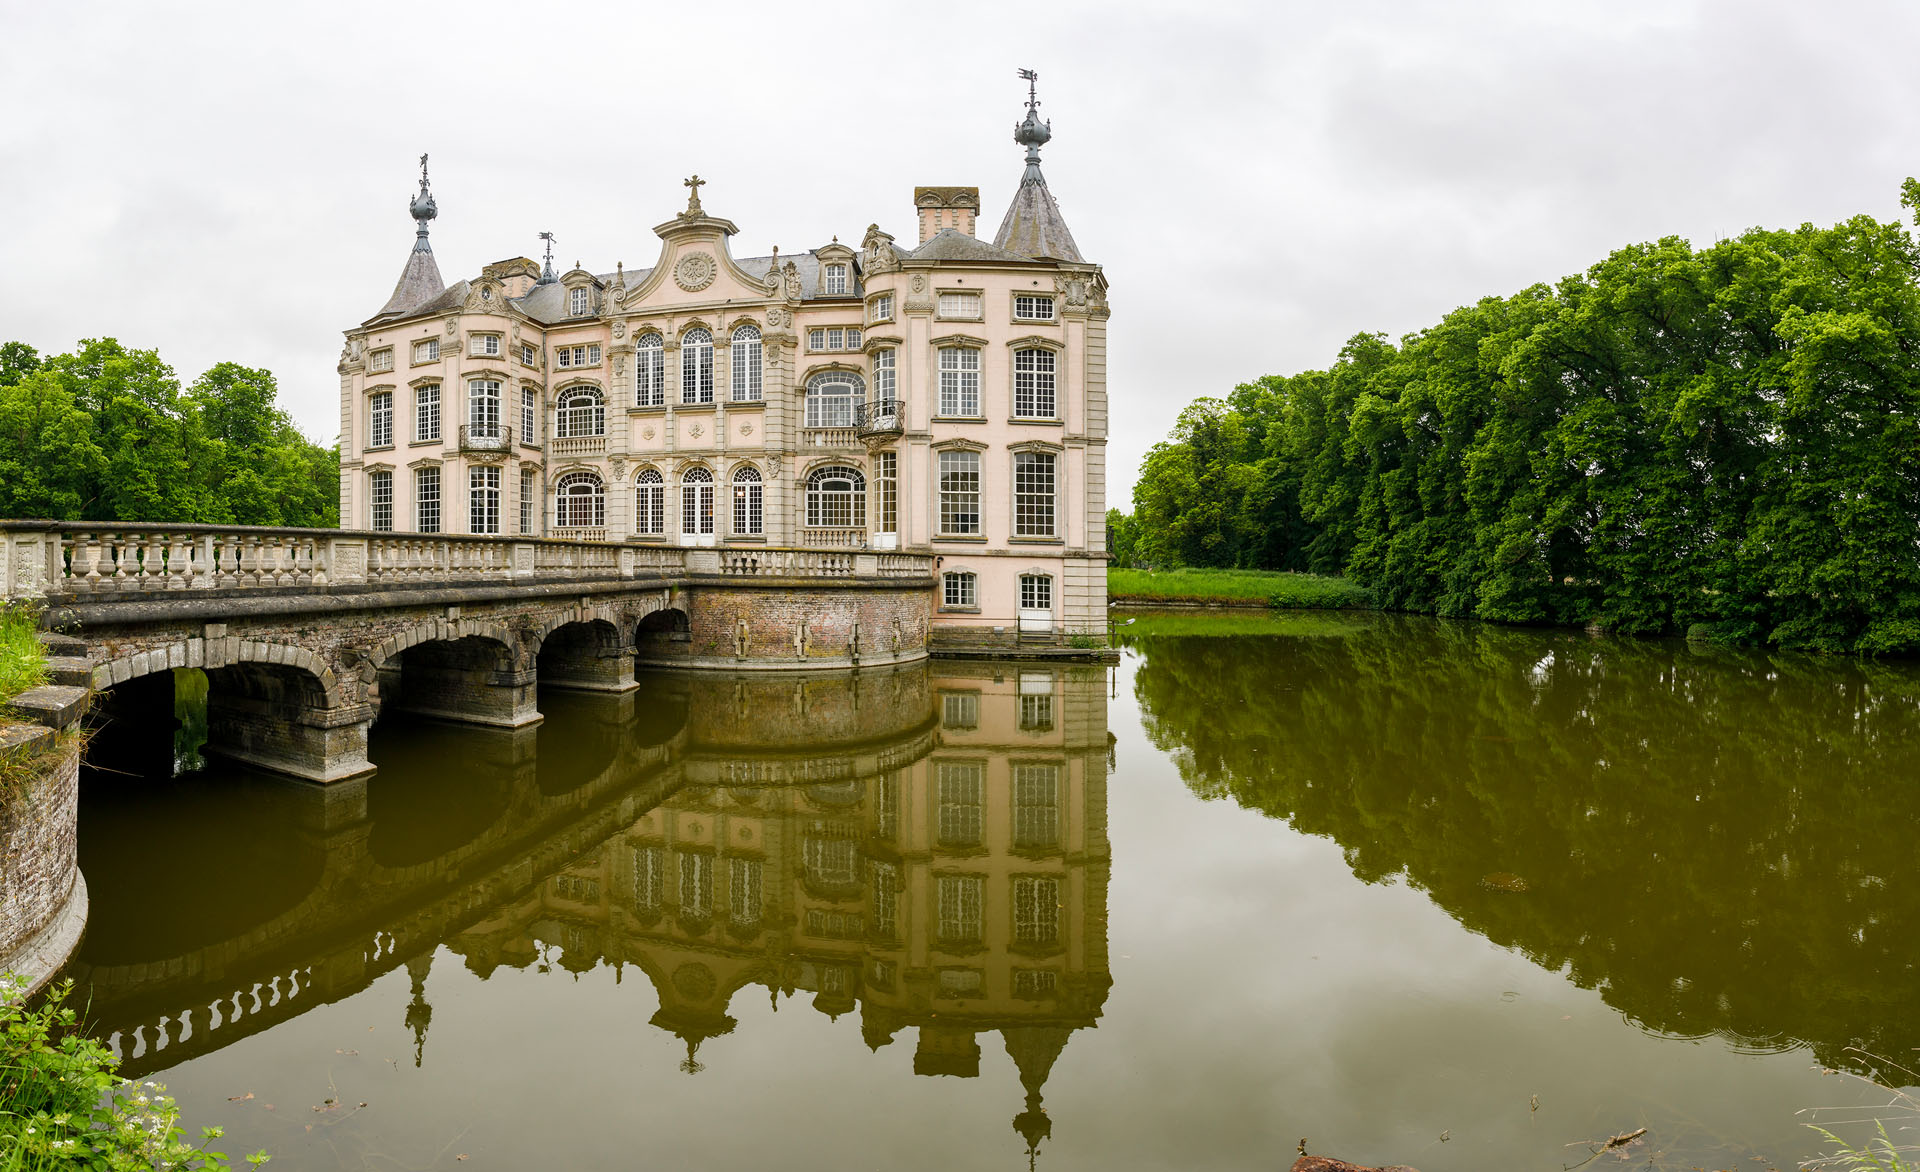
column 419, row 284
column 1034, row 226
column 953, row 244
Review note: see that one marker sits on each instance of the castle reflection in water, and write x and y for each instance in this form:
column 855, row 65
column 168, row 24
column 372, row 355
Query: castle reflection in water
column 919, row 847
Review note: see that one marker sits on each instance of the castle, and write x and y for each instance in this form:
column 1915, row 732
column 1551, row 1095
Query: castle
column 947, row 398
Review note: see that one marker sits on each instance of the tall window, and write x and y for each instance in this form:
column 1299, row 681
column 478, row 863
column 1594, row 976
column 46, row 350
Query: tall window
column 696, row 367
column 529, row 414
column 579, row 501
column 959, row 492
column 426, row 499
column 528, row 355
column 577, row 301
column 483, row 409
column 884, row 879
column 746, row 364
column 427, row 351
column 961, row 305
column 743, row 892
column 529, row 497
column 880, row 308
column 1033, row 494
column 426, row 411
column 747, row 501
column 958, row 588
column 1033, row 384
column 959, row 909
column 834, row 280
column 649, row 371
column 1036, row 909
column 649, row 878
column 960, row 797
column 380, row 497
column 886, row 480
column 834, row 398
column 581, row 411
column 696, row 501
column 483, row 500
column 1036, row 806
column 696, row 885
column 959, row 381
column 884, row 385
column 1036, row 592
column 380, row 420
column 649, row 503
column 836, row 498
column 1027, row 307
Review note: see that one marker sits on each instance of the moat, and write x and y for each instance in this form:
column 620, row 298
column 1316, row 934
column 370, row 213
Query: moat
column 1447, row 895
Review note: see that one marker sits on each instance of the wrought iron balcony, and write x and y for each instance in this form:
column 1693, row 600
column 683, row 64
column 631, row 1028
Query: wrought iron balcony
column 882, row 417
column 485, row 439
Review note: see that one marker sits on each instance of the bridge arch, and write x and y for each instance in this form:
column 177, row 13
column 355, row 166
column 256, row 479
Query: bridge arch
column 463, row 670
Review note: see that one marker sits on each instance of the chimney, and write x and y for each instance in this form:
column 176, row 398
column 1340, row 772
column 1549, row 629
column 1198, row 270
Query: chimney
column 946, row 207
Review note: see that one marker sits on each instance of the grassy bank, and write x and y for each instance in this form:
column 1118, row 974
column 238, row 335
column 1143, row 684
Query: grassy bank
column 22, row 663
column 1236, row 588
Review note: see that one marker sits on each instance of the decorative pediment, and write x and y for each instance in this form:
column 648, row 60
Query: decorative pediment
column 425, row 462
column 1036, row 445
column 881, row 342
column 959, row 340
column 376, row 388
column 1032, row 341
column 959, row 445
column 427, row 380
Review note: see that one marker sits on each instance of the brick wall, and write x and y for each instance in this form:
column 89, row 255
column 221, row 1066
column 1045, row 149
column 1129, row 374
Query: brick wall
column 38, row 860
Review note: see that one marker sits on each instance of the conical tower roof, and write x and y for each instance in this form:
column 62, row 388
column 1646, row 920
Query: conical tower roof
column 420, row 280
column 1033, row 225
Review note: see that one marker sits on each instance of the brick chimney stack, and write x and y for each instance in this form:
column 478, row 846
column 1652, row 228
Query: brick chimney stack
column 946, row 207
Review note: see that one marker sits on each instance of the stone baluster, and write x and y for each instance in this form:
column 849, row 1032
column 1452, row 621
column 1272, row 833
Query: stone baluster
column 179, row 562
column 322, row 562
column 153, row 568
column 227, row 563
column 249, row 560
column 86, row 561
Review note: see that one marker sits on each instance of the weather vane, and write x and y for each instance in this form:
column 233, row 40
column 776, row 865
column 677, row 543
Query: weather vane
column 1031, row 78
column 423, row 170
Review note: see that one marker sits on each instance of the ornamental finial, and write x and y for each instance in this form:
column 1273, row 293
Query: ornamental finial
column 547, row 275
column 693, row 186
column 423, row 209
column 1031, row 132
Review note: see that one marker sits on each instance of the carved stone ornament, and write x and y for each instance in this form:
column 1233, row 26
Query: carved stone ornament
column 879, row 255
column 746, row 428
column 919, row 284
column 619, row 329
column 790, row 276
column 453, row 326
column 647, row 432
column 779, row 318
column 1074, row 289
column 619, row 364
column 694, row 272
column 696, row 431
column 619, row 468
column 486, row 457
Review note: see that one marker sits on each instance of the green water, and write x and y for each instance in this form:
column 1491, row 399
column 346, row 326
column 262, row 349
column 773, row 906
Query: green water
column 1445, row 895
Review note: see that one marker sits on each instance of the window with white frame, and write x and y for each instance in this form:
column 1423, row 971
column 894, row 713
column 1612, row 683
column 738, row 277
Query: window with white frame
column 528, row 355
column 884, row 881
column 1036, row 592
column 427, row 351
column 581, row 411
column 1033, row 482
column 962, row 305
column 834, row 338
column 880, row 308
column 885, row 385
column 649, row 503
column 574, row 357
column 486, row 345
column 959, row 493
column 1033, row 384
column 696, row 366
column 380, row 420
column 579, row 301
column 748, row 502
column 1033, row 307
column 529, row 497
column 696, row 884
column 426, row 499
column 380, row 498
column 834, row 398
column 696, row 501
column 483, row 410
column 853, row 339
column 744, row 892
column 426, row 412
column 836, row 498
column 579, row 501
column 959, row 588
column 886, row 480
column 1036, row 713
column 1036, row 806
column 833, row 280
column 746, row 364
column 959, row 381
column 649, row 878
column 960, row 710
column 961, row 796
column 529, row 414
column 380, row 360
column 817, row 339
column 649, row 371
column 1036, row 909
column 483, row 499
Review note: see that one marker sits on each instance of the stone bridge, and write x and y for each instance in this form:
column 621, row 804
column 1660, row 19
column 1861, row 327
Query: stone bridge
column 307, row 634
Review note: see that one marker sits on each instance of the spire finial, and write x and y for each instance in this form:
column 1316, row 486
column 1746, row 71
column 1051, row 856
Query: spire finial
column 547, row 275
column 1031, row 132
column 422, row 209
column 693, row 186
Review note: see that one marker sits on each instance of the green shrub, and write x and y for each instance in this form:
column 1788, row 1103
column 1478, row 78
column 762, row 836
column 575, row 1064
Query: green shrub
column 23, row 664
column 1285, row 591
column 62, row 1107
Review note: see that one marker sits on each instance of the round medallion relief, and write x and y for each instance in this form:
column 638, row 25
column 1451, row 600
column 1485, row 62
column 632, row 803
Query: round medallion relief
column 694, row 272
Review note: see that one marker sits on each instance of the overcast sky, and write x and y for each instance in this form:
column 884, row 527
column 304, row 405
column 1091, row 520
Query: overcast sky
column 1261, row 181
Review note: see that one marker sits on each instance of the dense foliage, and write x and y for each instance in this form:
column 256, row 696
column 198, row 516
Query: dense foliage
column 1237, row 587
column 1714, row 838
column 1723, row 439
column 107, row 434
column 62, row 1107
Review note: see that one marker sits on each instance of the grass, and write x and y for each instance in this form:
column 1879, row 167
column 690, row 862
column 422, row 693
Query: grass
column 1237, row 588
column 23, row 664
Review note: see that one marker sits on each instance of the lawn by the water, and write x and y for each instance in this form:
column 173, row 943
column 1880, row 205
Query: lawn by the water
column 1236, row 588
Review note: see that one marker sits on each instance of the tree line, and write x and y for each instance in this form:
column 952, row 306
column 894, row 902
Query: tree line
column 1722, row 440
column 108, row 434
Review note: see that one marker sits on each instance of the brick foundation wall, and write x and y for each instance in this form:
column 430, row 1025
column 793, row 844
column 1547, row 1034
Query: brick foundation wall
column 737, row 626
column 39, row 872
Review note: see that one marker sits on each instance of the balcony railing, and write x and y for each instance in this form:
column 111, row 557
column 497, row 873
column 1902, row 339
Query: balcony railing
column 829, row 437
column 578, row 445
column 882, row 417
column 482, row 438
column 834, row 538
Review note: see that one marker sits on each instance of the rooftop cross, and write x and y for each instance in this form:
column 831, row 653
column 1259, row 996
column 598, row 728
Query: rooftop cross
column 693, row 199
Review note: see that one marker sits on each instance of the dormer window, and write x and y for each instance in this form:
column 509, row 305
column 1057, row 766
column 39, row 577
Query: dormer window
column 834, row 280
column 578, row 302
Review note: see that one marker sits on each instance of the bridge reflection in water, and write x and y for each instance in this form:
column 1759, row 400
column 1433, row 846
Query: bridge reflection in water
column 923, row 846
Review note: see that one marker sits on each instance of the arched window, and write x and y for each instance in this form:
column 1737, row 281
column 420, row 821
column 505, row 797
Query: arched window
column 649, row 503
column 582, row 411
column 834, row 398
column 836, row 498
column 696, row 501
column 747, row 501
column 746, row 364
column 649, row 371
column 579, row 501
column 696, row 366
